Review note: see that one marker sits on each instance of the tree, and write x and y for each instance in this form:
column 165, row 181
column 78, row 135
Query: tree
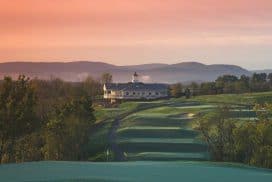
column 208, row 88
column 226, row 83
column 176, row 90
column 243, row 85
column 195, row 88
column 258, row 82
column 249, row 142
column 17, row 107
column 270, row 78
column 29, row 148
column 106, row 78
column 17, row 111
column 67, row 130
column 263, row 157
column 245, row 142
column 227, row 78
column 92, row 88
column 259, row 77
column 45, row 119
column 187, row 93
column 217, row 130
column 263, row 111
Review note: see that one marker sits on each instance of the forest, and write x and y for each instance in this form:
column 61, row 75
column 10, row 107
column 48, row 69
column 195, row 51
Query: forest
column 225, row 84
column 46, row 120
column 248, row 142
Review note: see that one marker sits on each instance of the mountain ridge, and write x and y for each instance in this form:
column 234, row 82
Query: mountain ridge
column 154, row 72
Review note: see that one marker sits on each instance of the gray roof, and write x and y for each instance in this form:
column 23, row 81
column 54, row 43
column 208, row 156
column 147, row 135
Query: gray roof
column 135, row 86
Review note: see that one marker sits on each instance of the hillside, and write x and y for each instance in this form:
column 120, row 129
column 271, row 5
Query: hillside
column 165, row 130
column 78, row 71
column 267, row 71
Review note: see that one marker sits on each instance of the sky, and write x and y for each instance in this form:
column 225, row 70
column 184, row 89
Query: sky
column 128, row 32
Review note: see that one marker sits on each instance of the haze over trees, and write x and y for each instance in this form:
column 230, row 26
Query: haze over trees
column 159, row 73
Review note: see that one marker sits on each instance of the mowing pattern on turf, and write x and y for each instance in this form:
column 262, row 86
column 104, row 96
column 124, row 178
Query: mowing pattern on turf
column 163, row 133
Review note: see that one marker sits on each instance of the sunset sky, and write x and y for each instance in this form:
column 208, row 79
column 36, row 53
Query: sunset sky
column 126, row 32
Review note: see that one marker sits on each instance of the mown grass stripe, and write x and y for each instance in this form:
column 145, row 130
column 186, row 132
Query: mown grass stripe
column 162, row 147
column 170, row 154
column 157, row 133
column 160, row 140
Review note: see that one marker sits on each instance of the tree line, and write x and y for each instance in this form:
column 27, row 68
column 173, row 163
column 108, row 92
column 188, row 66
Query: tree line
column 226, row 84
column 229, row 140
column 46, row 119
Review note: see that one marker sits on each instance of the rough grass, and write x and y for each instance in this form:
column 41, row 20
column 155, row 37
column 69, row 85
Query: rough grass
column 98, row 142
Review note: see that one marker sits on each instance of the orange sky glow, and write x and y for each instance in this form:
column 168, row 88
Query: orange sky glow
column 126, row 32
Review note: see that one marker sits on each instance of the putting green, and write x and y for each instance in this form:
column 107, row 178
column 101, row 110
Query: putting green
column 132, row 171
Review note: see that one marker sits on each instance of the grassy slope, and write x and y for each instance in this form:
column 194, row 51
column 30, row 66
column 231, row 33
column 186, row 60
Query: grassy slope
column 166, row 119
column 146, row 171
column 163, row 133
column 243, row 99
column 99, row 142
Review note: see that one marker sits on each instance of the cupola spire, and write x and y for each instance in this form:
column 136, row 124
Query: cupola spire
column 135, row 78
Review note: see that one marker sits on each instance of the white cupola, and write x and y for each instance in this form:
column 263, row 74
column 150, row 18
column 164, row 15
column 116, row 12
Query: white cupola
column 135, row 78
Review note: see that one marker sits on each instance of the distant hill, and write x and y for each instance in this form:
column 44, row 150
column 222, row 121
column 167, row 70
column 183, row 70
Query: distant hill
column 267, row 71
column 78, row 71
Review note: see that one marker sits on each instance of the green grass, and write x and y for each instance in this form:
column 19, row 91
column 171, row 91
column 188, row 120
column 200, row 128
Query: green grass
column 98, row 142
column 159, row 132
column 155, row 121
column 163, row 132
column 162, row 147
column 173, row 110
column 170, row 121
column 244, row 99
column 102, row 114
column 132, row 172
column 168, row 156
column 164, row 129
column 160, row 140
